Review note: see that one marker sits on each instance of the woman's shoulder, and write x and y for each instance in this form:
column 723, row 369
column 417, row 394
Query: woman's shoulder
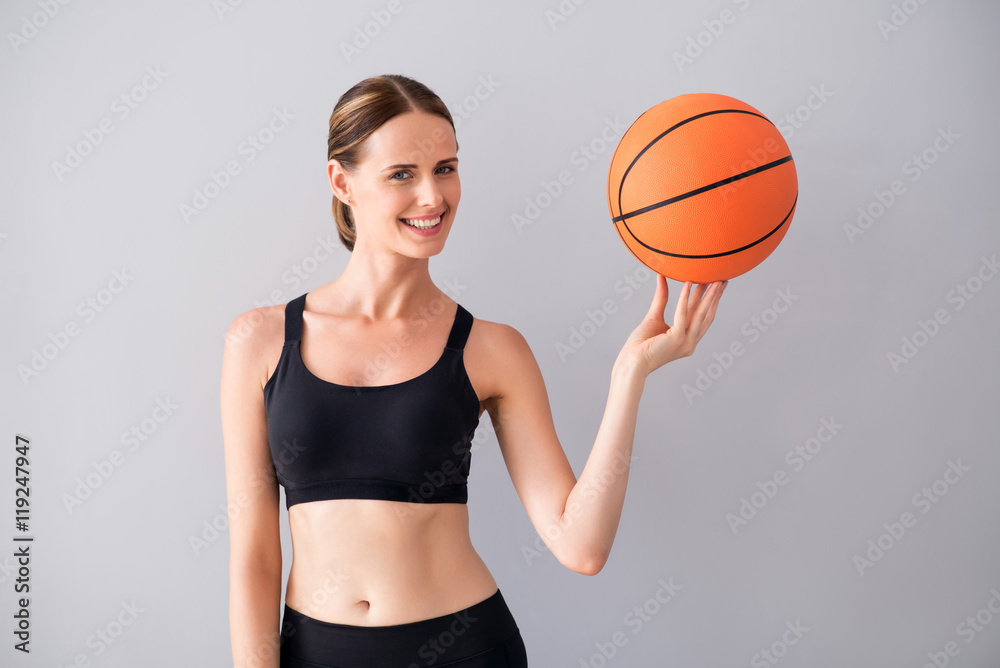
column 492, row 334
column 255, row 332
column 497, row 343
column 499, row 361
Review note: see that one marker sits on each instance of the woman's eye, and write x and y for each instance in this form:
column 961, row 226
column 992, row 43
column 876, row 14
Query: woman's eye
column 447, row 167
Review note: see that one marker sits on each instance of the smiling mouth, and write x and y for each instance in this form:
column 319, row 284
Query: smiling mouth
column 423, row 224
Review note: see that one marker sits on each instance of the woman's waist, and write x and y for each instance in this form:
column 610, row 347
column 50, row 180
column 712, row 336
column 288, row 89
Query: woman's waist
column 372, row 567
column 358, row 562
column 385, row 589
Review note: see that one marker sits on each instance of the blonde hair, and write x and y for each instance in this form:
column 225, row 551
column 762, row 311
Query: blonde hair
column 361, row 111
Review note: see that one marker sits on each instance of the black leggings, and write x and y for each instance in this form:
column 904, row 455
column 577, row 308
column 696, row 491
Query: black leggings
column 483, row 635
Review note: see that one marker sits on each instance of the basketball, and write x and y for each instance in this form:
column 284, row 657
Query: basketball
column 702, row 188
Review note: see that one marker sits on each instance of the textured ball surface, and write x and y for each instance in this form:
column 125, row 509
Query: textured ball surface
column 702, row 188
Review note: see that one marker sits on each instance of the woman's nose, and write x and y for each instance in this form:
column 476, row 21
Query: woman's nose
column 429, row 193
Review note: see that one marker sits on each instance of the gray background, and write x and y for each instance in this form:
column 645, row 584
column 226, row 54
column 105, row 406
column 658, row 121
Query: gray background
column 554, row 87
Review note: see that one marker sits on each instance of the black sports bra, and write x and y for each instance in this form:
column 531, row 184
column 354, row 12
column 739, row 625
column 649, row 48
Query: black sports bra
column 410, row 441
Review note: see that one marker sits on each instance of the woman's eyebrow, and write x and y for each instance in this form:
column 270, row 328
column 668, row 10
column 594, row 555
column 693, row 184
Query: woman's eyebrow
column 439, row 162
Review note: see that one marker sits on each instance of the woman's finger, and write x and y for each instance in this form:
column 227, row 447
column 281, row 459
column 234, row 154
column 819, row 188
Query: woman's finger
column 713, row 305
column 660, row 297
column 680, row 313
column 694, row 307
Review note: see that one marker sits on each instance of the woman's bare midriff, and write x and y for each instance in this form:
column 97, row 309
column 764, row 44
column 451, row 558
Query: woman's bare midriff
column 367, row 562
column 377, row 563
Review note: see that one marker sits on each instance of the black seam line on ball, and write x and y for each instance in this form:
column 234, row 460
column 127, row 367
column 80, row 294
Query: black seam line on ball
column 698, row 191
column 621, row 185
column 731, row 252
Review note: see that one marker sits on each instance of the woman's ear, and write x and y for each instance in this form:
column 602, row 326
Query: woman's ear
column 338, row 182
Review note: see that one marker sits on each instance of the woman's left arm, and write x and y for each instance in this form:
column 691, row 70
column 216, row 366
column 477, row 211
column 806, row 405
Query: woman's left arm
column 578, row 519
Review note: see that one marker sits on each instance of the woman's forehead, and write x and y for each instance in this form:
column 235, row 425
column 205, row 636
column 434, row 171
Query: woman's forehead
column 414, row 138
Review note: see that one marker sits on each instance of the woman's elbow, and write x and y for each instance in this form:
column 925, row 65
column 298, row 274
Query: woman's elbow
column 585, row 564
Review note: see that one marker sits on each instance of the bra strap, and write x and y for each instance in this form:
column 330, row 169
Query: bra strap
column 460, row 329
column 293, row 318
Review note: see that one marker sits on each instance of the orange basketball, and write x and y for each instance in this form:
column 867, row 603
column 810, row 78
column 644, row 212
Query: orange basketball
column 702, row 188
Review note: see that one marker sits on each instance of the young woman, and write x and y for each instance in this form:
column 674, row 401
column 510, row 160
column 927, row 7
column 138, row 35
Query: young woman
column 361, row 398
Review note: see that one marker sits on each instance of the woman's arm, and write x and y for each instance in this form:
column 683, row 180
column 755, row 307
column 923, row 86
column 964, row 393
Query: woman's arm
column 252, row 497
column 578, row 519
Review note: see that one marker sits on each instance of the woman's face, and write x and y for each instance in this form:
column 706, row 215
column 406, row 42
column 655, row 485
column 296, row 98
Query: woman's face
column 409, row 170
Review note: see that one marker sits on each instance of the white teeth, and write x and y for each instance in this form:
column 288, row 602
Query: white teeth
column 423, row 224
